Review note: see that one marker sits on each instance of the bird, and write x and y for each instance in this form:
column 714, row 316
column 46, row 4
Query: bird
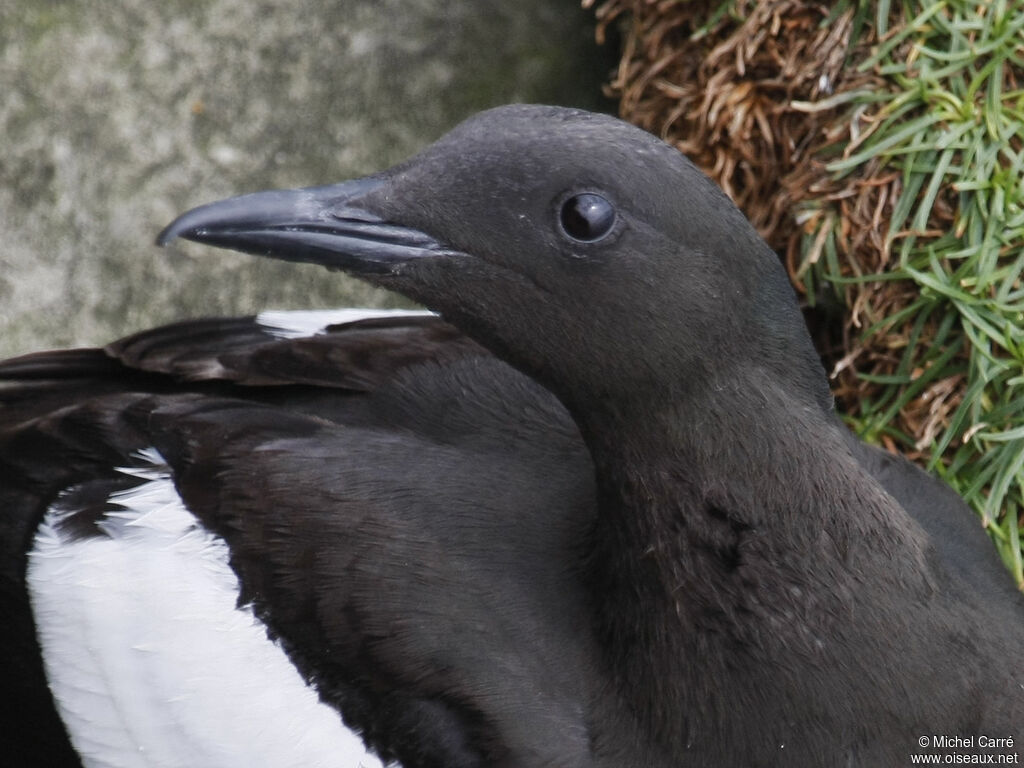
column 593, row 508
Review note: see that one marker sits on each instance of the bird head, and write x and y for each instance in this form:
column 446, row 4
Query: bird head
column 579, row 248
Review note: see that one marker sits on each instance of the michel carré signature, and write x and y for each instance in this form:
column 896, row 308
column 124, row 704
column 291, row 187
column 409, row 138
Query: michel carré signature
column 940, row 741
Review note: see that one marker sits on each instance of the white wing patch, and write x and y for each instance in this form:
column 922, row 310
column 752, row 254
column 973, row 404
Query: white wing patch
column 149, row 660
column 297, row 324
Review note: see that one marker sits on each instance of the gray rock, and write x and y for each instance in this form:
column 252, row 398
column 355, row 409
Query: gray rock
column 117, row 116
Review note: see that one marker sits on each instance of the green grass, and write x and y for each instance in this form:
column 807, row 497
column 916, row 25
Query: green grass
column 950, row 121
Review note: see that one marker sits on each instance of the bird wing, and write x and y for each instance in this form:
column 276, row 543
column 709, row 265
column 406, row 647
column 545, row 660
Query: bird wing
column 402, row 511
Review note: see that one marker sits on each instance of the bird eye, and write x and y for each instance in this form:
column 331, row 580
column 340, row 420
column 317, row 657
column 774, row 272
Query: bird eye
column 587, row 217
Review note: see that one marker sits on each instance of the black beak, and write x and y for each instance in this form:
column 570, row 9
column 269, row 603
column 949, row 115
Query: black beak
column 320, row 225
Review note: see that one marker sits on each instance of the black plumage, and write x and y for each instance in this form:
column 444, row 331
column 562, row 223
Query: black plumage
column 620, row 526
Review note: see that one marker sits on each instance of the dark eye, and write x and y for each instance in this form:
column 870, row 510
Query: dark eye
column 587, row 217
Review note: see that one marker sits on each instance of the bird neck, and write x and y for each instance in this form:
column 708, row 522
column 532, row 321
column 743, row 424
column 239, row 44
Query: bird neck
column 732, row 528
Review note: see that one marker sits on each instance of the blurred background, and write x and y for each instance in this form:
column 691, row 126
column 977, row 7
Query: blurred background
column 115, row 116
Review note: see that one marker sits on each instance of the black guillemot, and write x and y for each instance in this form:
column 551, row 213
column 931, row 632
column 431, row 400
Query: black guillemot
column 597, row 511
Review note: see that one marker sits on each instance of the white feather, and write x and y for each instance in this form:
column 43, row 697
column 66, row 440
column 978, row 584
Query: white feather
column 148, row 658
column 297, row 324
